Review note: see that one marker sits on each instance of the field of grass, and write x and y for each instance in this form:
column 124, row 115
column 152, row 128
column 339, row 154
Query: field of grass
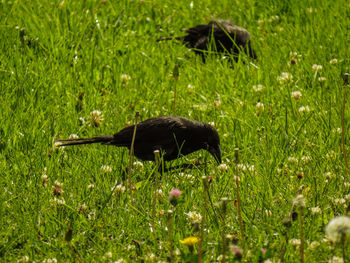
column 62, row 60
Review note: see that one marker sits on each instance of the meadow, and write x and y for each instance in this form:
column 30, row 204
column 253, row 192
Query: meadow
column 83, row 68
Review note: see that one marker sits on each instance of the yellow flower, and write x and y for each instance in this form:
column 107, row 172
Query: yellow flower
column 190, row 241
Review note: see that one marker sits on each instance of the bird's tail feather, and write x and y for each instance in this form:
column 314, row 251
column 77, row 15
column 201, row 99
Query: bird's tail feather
column 99, row 139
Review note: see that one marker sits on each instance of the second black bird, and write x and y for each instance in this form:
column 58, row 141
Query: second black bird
column 174, row 136
column 227, row 37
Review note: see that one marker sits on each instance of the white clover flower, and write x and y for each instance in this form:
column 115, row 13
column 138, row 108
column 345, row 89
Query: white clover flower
column 314, row 244
column 295, row 242
column 273, row 18
column 333, row 61
column 121, row 260
column 304, row 109
column 315, row 210
column 73, row 136
column 138, row 165
column 50, row 260
column 58, row 184
column 56, row 201
column 316, row 67
column 335, row 259
column 330, row 175
column 188, row 177
column 150, row 257
column 339, row 201
column 258, row 88
column 23, row 259
column 211, row 123
column 125, row 78
column 338, row 228
column 347, row 184
column 223, row 167
column 160, row 193
column 194, row 217
column 299, row 200
column 321, row 79
column 106, row 169
column 296, row 95
column 108, row 254
column 118, row 189
column 96, row 117
column 337, row 130
column 260, row 106
column 90, row 186
column 285, row 77
column 306, row 159
column 292, row 159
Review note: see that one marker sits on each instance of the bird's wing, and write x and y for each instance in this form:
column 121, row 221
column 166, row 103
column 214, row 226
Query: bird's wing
column 159, row 131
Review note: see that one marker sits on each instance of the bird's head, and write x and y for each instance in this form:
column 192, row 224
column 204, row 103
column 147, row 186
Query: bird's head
column 213, row 143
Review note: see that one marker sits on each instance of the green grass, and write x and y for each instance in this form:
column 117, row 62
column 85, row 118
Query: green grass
column 72, row 47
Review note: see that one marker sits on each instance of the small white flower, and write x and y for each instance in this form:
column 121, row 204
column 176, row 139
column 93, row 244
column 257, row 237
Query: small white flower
column 339, row 201
column 90, row 186
column 299, row 200
column 296, row 95
column 347, row 184
column 194, row 217
column 285, row 77
column 223, row 167
column 260, row 106
column 73, row 136
column 292, row 159
column 50, row 260
column 58, row 184
column 273, row 18
column 316, row 67
column 335, row 259
column 338, row 228
column 258, row 88
column 188, row 177
column 314, row 244
column 106, row 169
column 56, row 201
column 137, row 165
column 118, row 189
column 109, row 255
column 333, row 61
column 150, row 257
column 121, row 260
column 304, row 109
column 315, row 210
column 160, row 193
column 295, row 242
column 96, row 117
column 23, row 259
column 125, row 79
column 306, row 159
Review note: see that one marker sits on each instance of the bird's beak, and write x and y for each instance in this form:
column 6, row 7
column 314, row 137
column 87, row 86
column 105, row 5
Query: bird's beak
column 216, row 152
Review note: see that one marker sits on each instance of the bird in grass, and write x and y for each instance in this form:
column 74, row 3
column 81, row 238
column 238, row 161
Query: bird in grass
column 173, row 136
column 227, row 37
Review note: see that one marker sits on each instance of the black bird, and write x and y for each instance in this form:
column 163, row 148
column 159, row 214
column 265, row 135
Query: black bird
column 174, row 136
column 228, row 38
